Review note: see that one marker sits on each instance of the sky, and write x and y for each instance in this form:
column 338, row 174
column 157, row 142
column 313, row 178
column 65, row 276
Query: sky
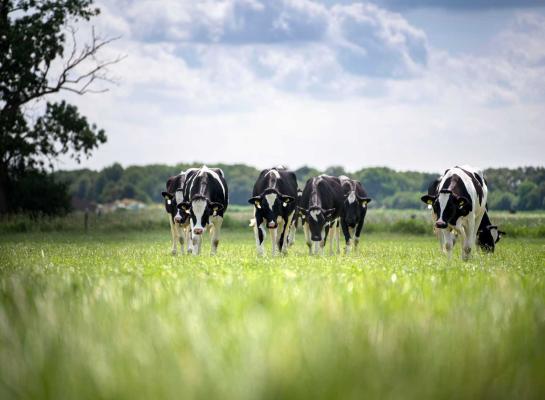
column 412, row 85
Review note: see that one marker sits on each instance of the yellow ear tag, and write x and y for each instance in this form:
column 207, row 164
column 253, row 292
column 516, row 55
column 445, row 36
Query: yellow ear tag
column 462, row 203
column 430, row 202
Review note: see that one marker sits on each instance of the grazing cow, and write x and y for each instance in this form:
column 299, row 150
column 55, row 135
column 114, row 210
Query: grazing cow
column 206, row 198
column 321, row 206
column 487, row 234
column 173, row 196
column 459, row 204
column 295, row 220
column 353, row 212
column 273, row 197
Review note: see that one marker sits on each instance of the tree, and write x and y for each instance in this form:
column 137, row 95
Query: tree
column 37, row 37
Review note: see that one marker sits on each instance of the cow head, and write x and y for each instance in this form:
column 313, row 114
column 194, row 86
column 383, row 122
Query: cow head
column 173, row 196
column 317, row 218
column 355, row 208
column 488, row 236
column 447, row 207
column 200, row 210
column 270, row 204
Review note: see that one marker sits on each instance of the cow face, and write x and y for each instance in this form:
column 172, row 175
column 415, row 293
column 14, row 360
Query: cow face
column 200, row 210
column 173, row 196
column 447, row 207
column 488, row 237
column 317, row 218
column 270, row 205
column 355, row 208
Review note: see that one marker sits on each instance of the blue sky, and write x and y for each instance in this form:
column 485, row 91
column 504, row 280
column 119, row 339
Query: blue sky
column 419, row 85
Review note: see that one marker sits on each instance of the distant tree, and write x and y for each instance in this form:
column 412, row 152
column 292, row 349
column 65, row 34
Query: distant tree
column 502, row 201
column 39, row 56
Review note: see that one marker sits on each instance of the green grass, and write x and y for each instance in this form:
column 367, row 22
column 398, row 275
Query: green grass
column 115, row 316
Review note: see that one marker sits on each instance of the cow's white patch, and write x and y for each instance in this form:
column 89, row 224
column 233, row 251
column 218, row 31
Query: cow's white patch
column 179, row 196
column 271, row 198
column 198, row 206
column 443, row 200
column 169, row 201
column 352, row 197
column 314, row 214
column 274, row 172
column 495, row 234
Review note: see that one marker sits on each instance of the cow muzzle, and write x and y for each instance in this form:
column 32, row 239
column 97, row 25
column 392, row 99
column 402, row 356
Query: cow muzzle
column 198, row 231
column 178, row 219
column 272, row 224
column 441, row 224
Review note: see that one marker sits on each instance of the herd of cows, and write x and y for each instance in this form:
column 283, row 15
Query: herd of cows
column 197, row 199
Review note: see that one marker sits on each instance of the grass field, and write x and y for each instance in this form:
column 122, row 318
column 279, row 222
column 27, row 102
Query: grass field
column 115, row 316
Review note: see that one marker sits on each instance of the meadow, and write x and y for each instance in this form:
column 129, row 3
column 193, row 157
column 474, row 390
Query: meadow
column 111, row 314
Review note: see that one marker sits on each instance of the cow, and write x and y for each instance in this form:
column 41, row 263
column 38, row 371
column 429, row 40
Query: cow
column 353, row 211
column 487, row 234
column 173, row 195
column 321, row 205
column 274, row 199
column 205, row 199
column 459, row 204
column 295, row 220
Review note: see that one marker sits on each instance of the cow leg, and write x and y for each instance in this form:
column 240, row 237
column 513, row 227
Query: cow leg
column 273, row 232
column 283, row 241
column 447, row 242
column 306, row 230
column 189, row 241
column 469, row 238
column 292, row 231
column 216, row 228
column 359, row 227
column 197, row 240
column 174, row 235
column 259, row 234
column 347, row 237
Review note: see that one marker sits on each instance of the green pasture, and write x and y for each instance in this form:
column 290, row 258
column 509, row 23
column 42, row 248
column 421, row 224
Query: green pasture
column 112, row 315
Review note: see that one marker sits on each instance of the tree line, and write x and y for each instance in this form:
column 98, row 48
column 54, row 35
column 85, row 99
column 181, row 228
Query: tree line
column 510, row 189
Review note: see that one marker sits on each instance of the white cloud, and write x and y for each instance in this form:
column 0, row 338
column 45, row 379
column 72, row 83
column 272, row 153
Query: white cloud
column 356, row 85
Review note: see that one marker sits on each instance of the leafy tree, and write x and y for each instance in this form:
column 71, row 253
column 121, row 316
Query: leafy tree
column 39, row 56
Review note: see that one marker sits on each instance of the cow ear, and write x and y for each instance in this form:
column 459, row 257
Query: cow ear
column 502, row 233
column 428, row 199
column 328, row 213
column 463, row 205
column 302, row 209
column 216, row 207
column 167, row 195
column 364, row 201
column 286, row 199
column 184, row 206
column 256, row 201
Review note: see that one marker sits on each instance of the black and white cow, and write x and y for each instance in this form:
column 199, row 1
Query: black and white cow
column 274, row 199
column 487, row 234
column 178, row 219
column 353, row 212
column 321, row 206
column 206, row 197
column 459, row 204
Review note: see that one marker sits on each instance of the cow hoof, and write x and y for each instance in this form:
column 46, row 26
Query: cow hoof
column 173, row 252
